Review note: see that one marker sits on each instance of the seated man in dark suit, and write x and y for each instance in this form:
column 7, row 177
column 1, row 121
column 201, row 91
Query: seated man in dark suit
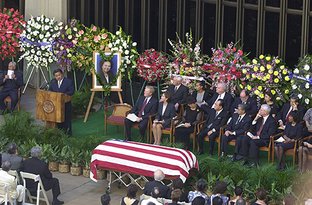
column 65, row 85
column 219, row 94
column 246, row 99
column 158, row 177
column 145, row 107
column 292, row 105
column 12, row 157
column 178, row 92
column 217, row 117
column 36, row 166
column 11, row 80
column 262, row 128
column 238, row 125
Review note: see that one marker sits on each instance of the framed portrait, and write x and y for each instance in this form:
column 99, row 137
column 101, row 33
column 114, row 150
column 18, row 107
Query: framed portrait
column 107, row 71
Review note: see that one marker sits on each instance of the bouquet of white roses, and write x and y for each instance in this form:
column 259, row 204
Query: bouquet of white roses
column 37, row 41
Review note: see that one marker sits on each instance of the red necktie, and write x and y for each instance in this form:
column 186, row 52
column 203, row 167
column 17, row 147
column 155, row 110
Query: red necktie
column 261, row 127
column 142, row 108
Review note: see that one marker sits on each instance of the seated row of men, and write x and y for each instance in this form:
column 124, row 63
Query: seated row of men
column 11, row 161
column 249, row 125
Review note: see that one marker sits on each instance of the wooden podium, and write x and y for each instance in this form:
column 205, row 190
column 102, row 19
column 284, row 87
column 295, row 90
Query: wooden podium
column 51, row 107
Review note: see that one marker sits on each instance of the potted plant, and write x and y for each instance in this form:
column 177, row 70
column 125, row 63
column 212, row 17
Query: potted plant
column 51, row 155
column 64, row 159
column 24, row 149
column 86, row 161
column 75, row 159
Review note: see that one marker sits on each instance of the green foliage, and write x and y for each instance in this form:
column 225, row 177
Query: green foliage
column 75, row 156
column 64, row 156
column 86, row 156
column 3, row 144
column 80, row 101
column 25, row 147
column 50, row 153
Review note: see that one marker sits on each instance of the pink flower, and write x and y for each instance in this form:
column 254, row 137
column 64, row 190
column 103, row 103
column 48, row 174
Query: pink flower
column 81, row 32
column 75, row 42
column 96, row 39
column 94, row 28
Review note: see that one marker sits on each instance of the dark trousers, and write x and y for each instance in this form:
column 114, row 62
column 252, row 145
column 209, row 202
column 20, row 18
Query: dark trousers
column 129, row 124
column 250, row 147
column 225, row 141
column 182, row 134
column 13, row 95
column 66, row 126
column 54, row 185
column 212, row 137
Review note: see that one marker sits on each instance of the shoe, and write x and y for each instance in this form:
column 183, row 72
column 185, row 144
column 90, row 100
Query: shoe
column 239, row 157
column 57, row 202
column 233, row 159
column 245, row 162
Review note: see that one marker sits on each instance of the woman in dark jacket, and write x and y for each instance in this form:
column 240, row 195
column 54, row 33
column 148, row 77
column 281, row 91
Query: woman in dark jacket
column 130, row 199
column 292, row 132
column 201, row 95
column 191, row 116
column 166, row 112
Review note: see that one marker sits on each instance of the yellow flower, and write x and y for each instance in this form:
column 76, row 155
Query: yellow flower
column 287, row 78
column 286, row 91
column 262, row 68
column 261, row 56
column 273, row 92
column 270, row 71
column 254, row 61
column 276, row 73
column 267, row 58
column 253, row 76
column 269, row 66
column 260, row 87
column 257, row 92
column 241, row 86
column 264, row 78
column 277, row 61
column 259, row 77
column 282, row 67
column 248, row 87
column 268, row 76
column 276, row 80
column 261, row 95
column 248, row 76
column 284, row 72
column 278, row 98
column 256, row 69
column 244, row 71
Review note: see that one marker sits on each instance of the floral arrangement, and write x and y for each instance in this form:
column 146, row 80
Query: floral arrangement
column 11, row 26
column 301, row 80
column 186, row 60
column 225, row 64
column 64, row 45
column 122, row 43
column 37, row 41
column 86, row 41
column 152, row 65
column 267, row 73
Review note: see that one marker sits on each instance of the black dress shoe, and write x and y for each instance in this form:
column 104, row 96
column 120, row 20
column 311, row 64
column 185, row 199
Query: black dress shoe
column 57, row 202
column 239, row 157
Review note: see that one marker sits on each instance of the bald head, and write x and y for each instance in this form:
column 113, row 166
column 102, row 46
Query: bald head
column 159, row 175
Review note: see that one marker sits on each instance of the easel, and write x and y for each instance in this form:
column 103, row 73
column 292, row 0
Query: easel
column 30, row 75
column 92, row 97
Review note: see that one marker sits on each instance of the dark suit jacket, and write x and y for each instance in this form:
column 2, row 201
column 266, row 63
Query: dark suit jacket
column 228, row 99
column 214, row 122
column 251, row 106
column 179, row 96
column 206, row 97
column 110, row 77
column 164, row 190
column 241, row 127
column 269, row 128
column 36, row 166
column 169, row 113
column 283, row 112
column 150, row 108
column 11, row 84
column 16, row 161
column 66, row 87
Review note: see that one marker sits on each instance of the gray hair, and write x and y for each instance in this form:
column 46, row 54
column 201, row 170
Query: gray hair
column 151, row 88
column 6, row 166
column 179, row 78
column 35, row 152
column 266, row 107
column 223, row 85
column 13, row 63
column 159, row 175
column 240, row 201
column 242, row 106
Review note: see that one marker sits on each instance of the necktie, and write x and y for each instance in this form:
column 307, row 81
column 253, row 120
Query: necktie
column 142, row 108
column 260, row 128
column 238, row 120
column 59, row 83
column 175, row 89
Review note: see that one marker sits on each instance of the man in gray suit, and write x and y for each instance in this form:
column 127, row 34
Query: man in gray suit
column 12, row 157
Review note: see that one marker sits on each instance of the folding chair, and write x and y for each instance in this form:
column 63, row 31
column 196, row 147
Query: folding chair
column 40, row 188
column 5, row 194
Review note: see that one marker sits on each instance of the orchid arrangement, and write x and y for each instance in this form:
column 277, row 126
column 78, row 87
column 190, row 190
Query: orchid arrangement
column 225, row 64
column 11, row 26
column 267, row 73
column 37, row 41
column 152, row 65
column 301, row 80
column 186, row 59
column 64, row 45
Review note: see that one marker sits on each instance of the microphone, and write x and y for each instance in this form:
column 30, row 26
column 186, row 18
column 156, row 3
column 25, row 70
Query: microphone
column 44, row 86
